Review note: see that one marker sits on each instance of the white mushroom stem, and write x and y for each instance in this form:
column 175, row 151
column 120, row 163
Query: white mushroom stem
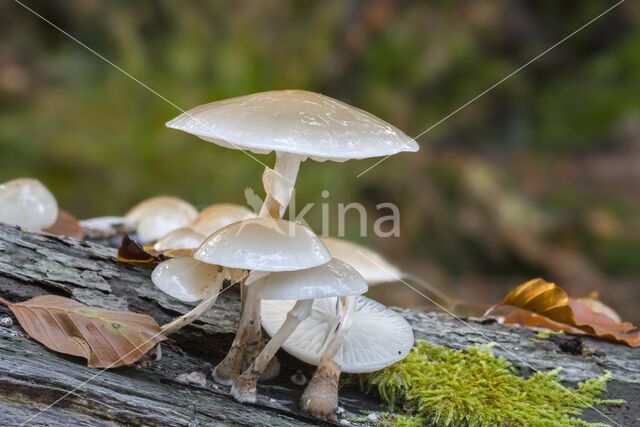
column 248, row 330
column 279, row 190
column 320, row 398
column 187, row 318
column 244, row 388
column 248, row 341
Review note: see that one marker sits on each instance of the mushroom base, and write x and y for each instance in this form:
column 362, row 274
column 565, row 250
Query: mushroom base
column 244, row 389
column 320, row 398
column 229, row 369
column 255, row 344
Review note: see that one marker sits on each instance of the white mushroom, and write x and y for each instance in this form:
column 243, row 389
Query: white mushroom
column 189, row 280
column 182, row 238
column 376, row 269
column 261, row 245
column 26, row 202
column 335, row 278
column 105, row 226
column 376, row 338
column 214, row 217
column 159, row 216
column 371, row 265
column 297, row 125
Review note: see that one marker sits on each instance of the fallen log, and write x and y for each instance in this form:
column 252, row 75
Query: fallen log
column 42, row 387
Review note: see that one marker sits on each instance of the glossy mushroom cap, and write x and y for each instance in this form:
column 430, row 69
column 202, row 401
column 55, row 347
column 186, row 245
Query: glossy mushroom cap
column 371, row 265
column 264, row 244
column 187, row 279
column 215, row 217
column 159, row 216
column 378, row 336
column 26, row 202
column 335, row 278
column 294, row 121
column 182, row 238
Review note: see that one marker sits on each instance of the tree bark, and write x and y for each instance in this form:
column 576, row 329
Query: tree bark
column 32, row 377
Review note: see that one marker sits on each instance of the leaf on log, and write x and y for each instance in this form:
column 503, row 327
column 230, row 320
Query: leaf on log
column 549, row 305
column 66, row 225
column 107, row 339
column 134, row 252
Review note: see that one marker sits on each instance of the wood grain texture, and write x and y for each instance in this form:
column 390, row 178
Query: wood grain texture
column 32, row 377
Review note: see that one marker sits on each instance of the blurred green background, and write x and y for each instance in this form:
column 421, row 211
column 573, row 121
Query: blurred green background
column 539, row 177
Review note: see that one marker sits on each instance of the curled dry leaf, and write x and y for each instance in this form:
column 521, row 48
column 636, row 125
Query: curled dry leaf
column 66, row 225
column 107, row 339
column 132, row 251
column 549, row 306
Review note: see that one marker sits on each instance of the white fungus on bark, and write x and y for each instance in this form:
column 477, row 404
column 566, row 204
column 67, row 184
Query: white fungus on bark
column 26, row 202
column 158, row 216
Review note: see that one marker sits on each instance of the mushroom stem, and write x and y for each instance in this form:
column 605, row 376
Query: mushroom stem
column 320, row 398
column 244, row 388
column 228, row 370
column 286, row 166
column 278, row 197
column 189, row 317
column 208, row 300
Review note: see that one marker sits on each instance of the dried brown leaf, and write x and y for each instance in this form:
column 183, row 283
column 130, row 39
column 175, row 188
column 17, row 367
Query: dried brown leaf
column 134, row 252
column 66, row 225
column 107, row 339
column 546, row 300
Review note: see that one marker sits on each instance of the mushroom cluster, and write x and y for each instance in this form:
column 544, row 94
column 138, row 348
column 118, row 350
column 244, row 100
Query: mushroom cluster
column 300, row 288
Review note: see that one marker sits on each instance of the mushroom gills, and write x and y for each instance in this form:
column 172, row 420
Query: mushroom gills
column 375, row 338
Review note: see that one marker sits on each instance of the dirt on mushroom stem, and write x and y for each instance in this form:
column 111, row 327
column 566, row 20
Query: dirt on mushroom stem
column 249, row 342
column 320, row 398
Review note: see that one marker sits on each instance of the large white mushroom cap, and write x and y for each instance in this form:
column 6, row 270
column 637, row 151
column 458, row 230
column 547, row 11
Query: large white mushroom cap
column 371, row 265
column 214, row 217
column 264, row 244
column 335, row 278
column 294, row 121
column 159, row 216
column 378, row 336
column 28, row 203
column 187, row 279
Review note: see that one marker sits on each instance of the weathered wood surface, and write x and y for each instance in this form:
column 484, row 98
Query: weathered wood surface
column 32, row 377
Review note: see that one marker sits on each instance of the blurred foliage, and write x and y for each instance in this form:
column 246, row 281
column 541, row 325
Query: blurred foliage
column 556, row 146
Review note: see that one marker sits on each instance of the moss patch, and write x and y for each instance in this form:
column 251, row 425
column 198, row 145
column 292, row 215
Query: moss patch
column 444, row 387
column 546, row 333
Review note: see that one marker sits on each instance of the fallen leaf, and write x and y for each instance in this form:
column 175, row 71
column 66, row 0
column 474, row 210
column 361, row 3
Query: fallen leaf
column 107, row 339
column 66, row 225
column 527, row 318
column 134, row 252
column 599, row 307
column 549, row 305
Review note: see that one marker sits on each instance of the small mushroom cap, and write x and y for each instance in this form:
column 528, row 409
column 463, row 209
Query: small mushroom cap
column 187, row 279
column 294, row 121
column 371, row 265
column 26, row 202
column 264, row 244
column 159, row 216
column 333, row 279
column 378, row 336
column 215, row 217
column 182, row 238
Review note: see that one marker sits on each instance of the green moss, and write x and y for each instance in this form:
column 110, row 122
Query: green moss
column 546, row 333
column 444, row 387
